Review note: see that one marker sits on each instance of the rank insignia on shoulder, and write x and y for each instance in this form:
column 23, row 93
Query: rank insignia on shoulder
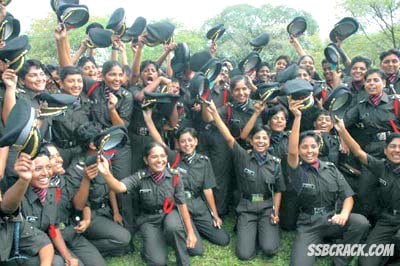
column 141, row 174
column 276, row 159
column 330, row 163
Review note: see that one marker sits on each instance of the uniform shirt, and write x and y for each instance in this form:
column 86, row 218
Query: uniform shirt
column 388, row 177
column 98, row 198
column 151, row 194
column 329, row 151
column 254, row 178
column 319, row 188
column 100, row 112
column 57, row 207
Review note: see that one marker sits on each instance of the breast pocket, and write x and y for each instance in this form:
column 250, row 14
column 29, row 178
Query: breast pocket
column 249, row 174
column 146, row 195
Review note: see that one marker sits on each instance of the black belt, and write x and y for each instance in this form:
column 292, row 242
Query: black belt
column 318, row 211
column 159, row 211
column 65, row 144
column 381, row 136
column 256, row 197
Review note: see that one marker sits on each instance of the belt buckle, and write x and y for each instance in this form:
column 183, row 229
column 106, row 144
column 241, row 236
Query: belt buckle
column 257, row 197
column 188, row 194
column 320, row 210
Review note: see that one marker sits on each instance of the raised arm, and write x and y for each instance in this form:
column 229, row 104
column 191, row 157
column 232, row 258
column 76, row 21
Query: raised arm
column 293, row 146
column 155, row 135
column 82, row 49
column 297, row 46
column 137, row 49
column 221, row 125
column 63, row 46
column 112, row 182
column 354, row 147
column 258, row 109
column 81, row 196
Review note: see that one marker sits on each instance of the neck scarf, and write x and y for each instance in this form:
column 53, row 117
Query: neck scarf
column 157, row 177
column 189, row 157
column 261, row 158
column 41, row 193
column 242, row 106
column 375, row 99
column 392, row 77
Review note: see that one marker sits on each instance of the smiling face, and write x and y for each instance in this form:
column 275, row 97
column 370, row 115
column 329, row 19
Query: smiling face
column 42, row 172
column 323, row 123
column 278, row 122
column 263, row 74
column 357, row 71
column 280, row 65
column 56, row 161
column 187, row 143
column 303, row 74
column 35, row 79
column 156, row 160
column 308, row 63
column 72, row 84
column 309, row 150
column 149, row 74
column 113, row 78
column 260, row 142
column 390, row 64
column 392, row 151
column 89, row 70
column 374, row 84
column 240, row 92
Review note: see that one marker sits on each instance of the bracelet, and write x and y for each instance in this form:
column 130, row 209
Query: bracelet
column 115, row 48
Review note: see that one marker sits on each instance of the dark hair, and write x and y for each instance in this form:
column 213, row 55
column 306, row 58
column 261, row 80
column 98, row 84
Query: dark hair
column 261, row 65
column 234, row 80
column 28, row 65
column 127, row 70
column 324, row 61
column 258, row 128
column 228, row 60
column 274, row 110
column 375, row 71
column 84, row 59
column 320, row 112
column 189, row 130
column 304, row 56
column 146, row 63
column 45, row 148
column 51, row 68
column 305, row 69
column 69, row 70
column 391, row 137
column 361, row 59
column 107, row 66
column 395, row 52
column 284, row 57
column 311, row 134
column 151, row 145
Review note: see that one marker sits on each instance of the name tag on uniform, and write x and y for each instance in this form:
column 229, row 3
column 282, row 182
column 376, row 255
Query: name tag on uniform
column 249, row 172
column 146, row 190
column 307, row 185
column 382, row 181
column 181, row 170
column 31, row 218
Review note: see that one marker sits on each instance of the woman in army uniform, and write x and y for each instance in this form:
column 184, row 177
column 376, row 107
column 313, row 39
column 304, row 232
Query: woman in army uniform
column 319, row 185
column 159, row 189
column 260, row 183
column 386, row 174
column 198, row 179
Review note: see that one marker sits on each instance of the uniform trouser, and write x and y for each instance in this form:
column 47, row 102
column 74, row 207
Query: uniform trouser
column 312, row 230
column 252, row 226
column 367, row 197
column 203, row 225
column 384, row 232
column 289, row 210
column 155, row 236
column 108, row 237
column 220, row 155
column 121, row 168
column 85, row 251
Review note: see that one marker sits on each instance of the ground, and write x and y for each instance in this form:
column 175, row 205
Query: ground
column 215, row 255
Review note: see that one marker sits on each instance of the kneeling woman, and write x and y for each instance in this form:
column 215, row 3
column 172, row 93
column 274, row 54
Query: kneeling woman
column 319, row 185
column 158, row 188
column 260, row 183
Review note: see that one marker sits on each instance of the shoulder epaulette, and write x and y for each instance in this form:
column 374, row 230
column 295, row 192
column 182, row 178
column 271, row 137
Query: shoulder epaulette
column 276, row 159
column 141, row 174
column 330, row 163
column 174, row 171
column 204, row 157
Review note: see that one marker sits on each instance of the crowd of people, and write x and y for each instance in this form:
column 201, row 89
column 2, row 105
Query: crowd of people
column 204, row 137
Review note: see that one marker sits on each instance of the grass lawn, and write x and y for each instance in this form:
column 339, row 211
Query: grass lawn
column 215, row 255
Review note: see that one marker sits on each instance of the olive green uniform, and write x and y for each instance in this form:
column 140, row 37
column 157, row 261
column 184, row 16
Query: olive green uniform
column 57, row 211
column 110, row 238
column 387, row 176
column 155, row 225
column 318, row 194
column 257, row 183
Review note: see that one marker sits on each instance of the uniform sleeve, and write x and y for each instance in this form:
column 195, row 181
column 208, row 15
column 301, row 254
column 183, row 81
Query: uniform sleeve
column 126, row 107
column 209, row 179
column 179, row 194
column 345, row 190
column 239, row 154
column 131, row 182
column 32, row 239
column 87, row 84
column 280, row 183
column 296, row 176
column 375, row 165
column 135, row 91
column 351, row 116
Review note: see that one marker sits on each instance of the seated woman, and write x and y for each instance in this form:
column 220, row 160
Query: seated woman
column 319, row 185
column 260, row 182
column 47, row 206
column 159, row 189
column 386, row 173
column 198, row 179
column 33, row 244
